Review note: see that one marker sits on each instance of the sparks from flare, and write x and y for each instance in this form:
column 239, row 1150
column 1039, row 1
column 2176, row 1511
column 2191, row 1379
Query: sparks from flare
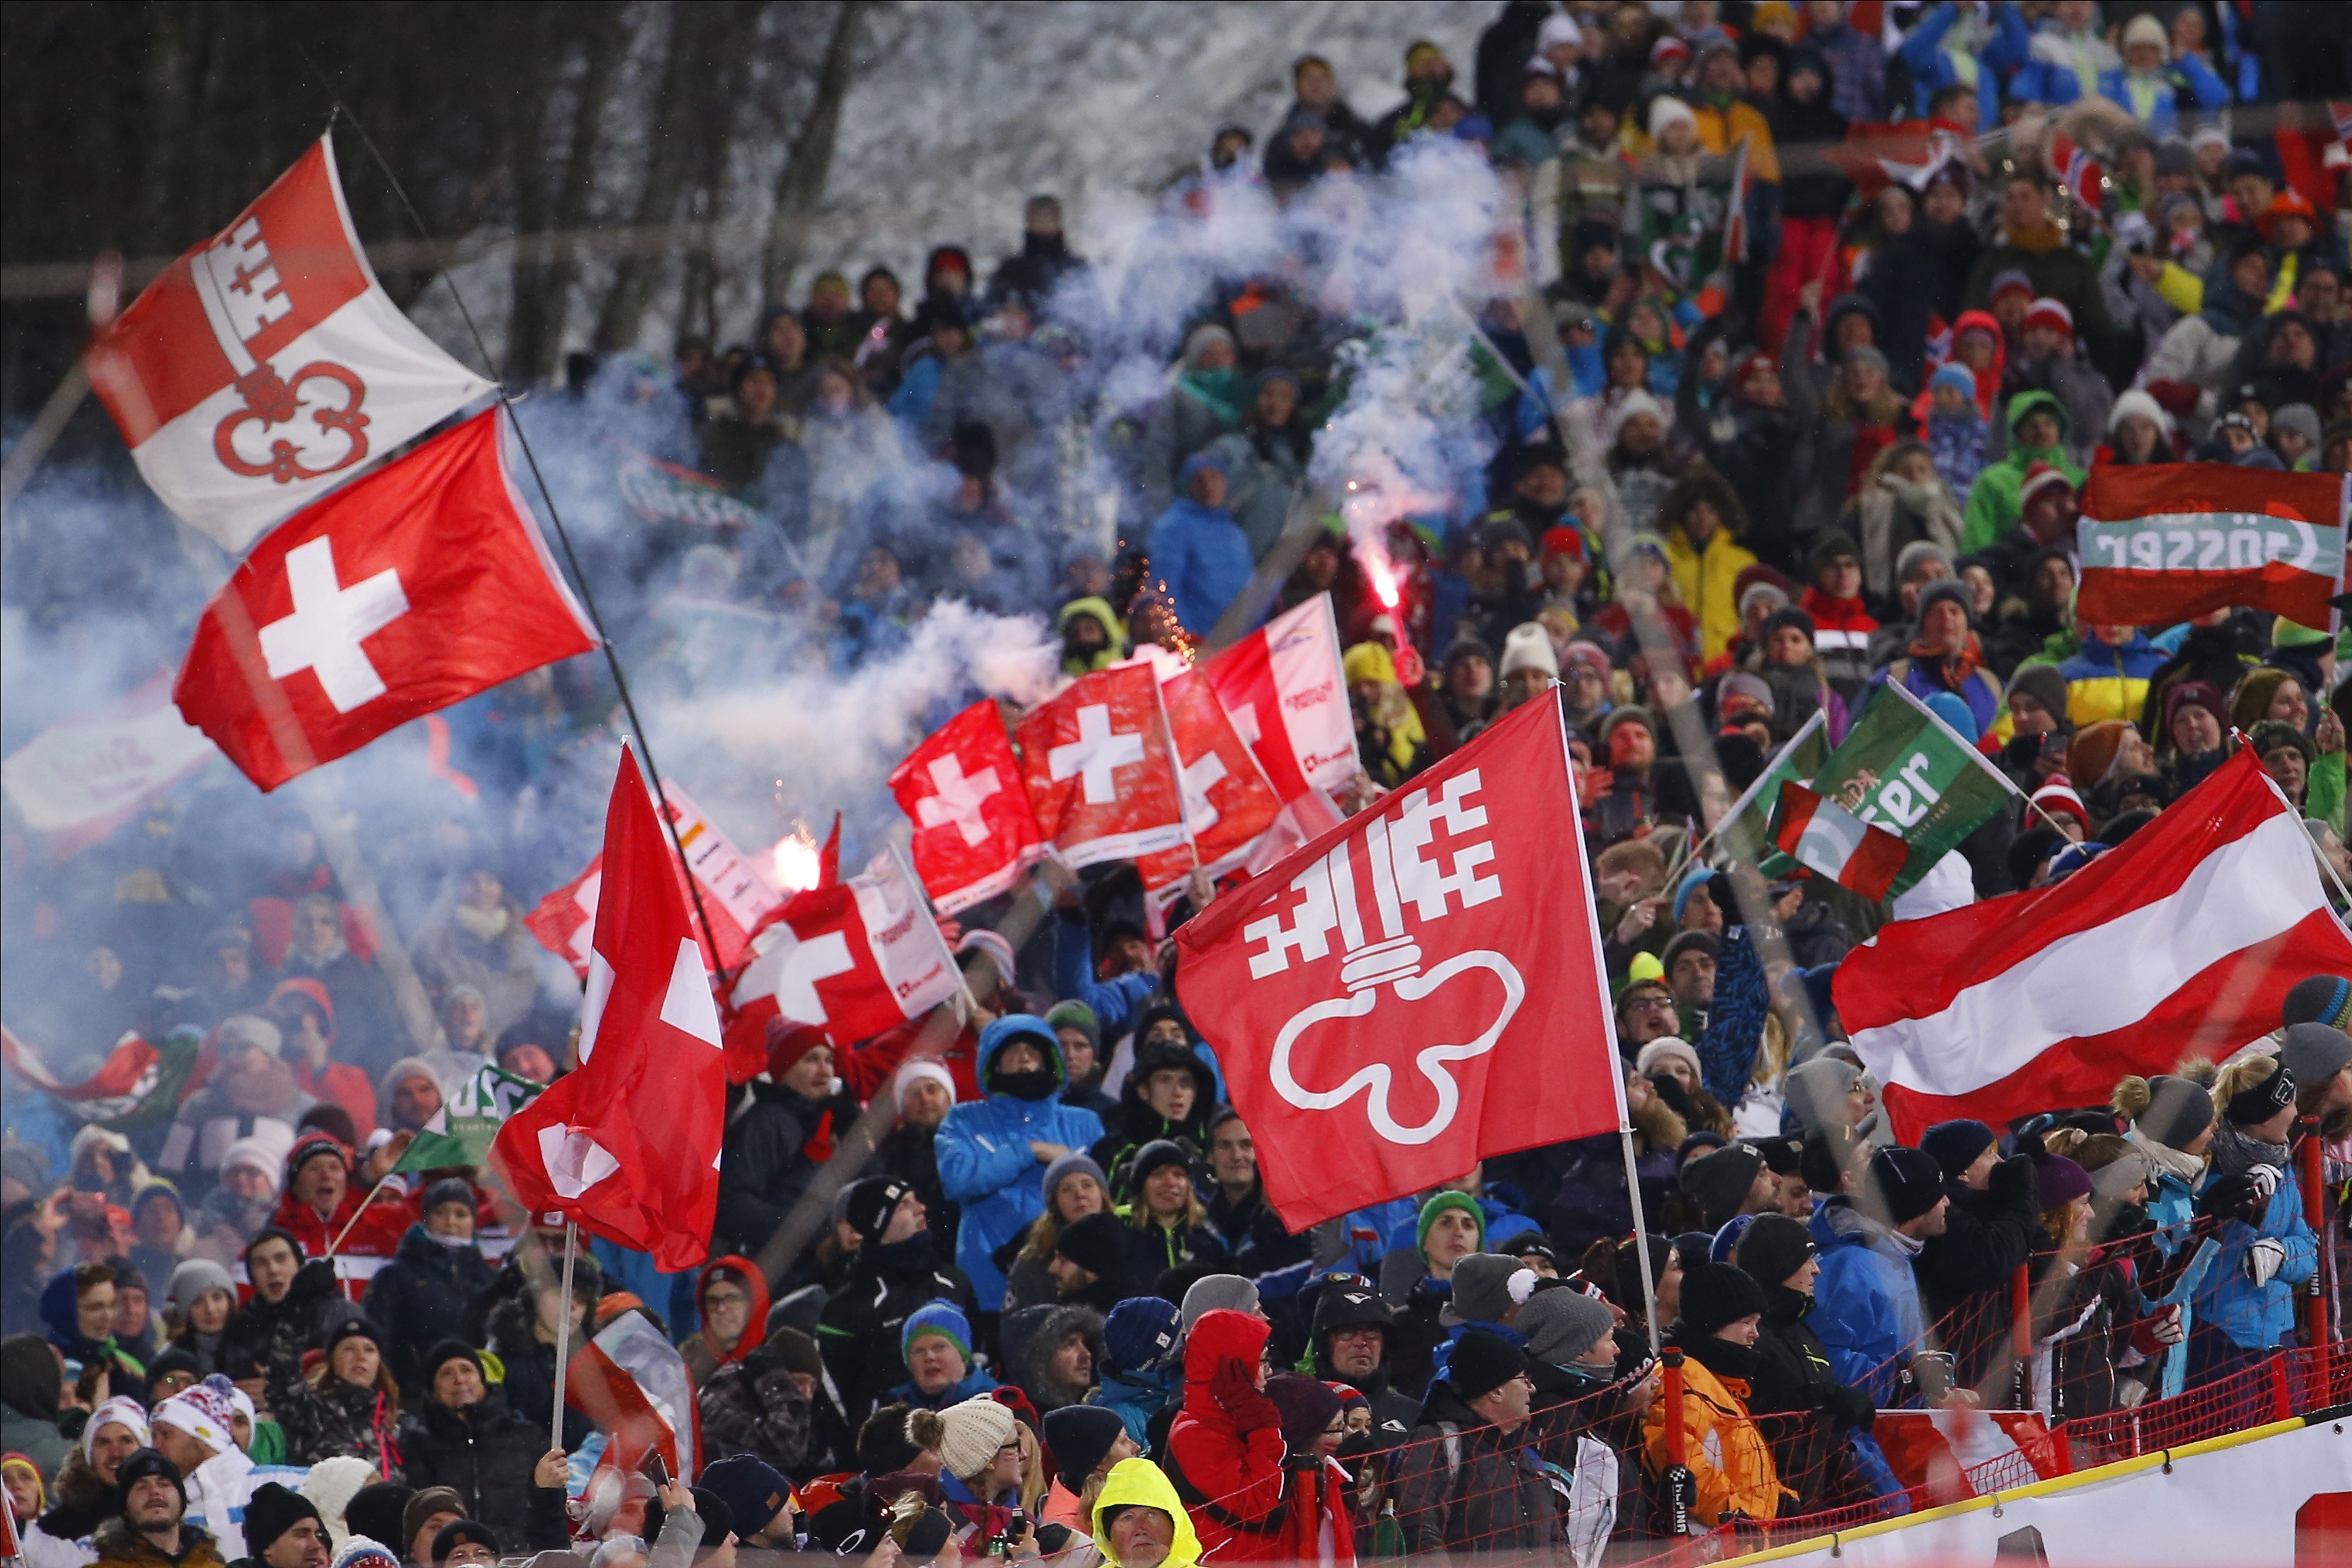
column 793, row 862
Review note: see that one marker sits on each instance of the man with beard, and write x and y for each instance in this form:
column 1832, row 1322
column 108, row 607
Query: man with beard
column 894, row 1270
column 150, row 1532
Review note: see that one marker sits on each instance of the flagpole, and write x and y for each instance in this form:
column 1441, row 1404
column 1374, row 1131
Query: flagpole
column 1609, row 1034
column 546, row 495
column 563, row 1333
column 336, row 1244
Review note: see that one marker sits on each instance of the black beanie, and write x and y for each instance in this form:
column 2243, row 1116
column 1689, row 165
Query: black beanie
column 1719, row 1181
column 1152, row 1156
column 1957, row 1145
column 1772, row 1248
column 270, row 1513
column 146, row 1462
column 1096, row 1243
column 1079, row 1436
column 447, row 1350
column 1716, row 1294
column 448, row 1189
column 2178, row 1109
column 1908, row 1182
column 375, row 1511
column 2322, row 999
column 459, row 1532
column 718, row 1521
column 867, row 1206
column 1482, row 1362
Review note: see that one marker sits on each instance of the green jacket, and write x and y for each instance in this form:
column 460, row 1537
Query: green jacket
column 1994, row 508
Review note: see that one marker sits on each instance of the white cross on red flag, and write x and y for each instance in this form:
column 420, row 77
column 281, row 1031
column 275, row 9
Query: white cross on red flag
column 406, row 590
column 1101, row 770
column 850, row 960
column 1400, row 997
column 974, row 833
column 629, row 1145
column 268, row 365
column 1288, row 696
column 1228, row 803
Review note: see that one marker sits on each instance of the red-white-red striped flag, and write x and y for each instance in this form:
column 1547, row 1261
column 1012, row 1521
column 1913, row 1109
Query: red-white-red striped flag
column 1824, row 837
column 632, row 1383
column 2183, row 941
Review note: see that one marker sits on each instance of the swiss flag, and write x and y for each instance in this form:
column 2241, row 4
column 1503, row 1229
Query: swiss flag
column 1288, row 696
column 268, row 365
column 1400, row 998
column 405, row 591
column 850, row 960
column 1228, row 803
column 1100, row 769
column 628, row 1145
column 974, row 832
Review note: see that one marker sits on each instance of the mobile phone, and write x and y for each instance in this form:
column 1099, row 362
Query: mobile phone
column 655, row 1471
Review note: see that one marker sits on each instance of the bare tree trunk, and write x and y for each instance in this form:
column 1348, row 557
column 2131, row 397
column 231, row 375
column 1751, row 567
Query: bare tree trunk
column 171, row 73
column 667, row 153
column 801, row 185
column 733, row 27
column 600, row 49
column 526, row 161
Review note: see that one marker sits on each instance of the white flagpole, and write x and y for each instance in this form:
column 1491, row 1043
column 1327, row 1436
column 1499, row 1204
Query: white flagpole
column 563, row 1333
column 1609, row 1031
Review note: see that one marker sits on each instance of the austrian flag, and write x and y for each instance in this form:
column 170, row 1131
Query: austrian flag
column 402, row 593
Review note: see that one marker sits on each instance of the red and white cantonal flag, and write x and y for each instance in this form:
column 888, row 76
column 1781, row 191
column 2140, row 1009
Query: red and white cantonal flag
column 851, row 960
column 1101, row 770
column 1228, row 804
column 402, row 593
column 628, row 1145
column 1288, row 696
column 1400, row 998
column 2196, row 926
column 2162, row 544
column 975, row 835
column 268, row 365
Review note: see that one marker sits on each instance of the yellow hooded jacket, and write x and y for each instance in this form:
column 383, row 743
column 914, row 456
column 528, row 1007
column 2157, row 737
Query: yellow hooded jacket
column 1141, row 1482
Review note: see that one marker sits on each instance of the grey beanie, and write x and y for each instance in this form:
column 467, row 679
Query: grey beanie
column 1074, row 1163
column 1217, row 1292
column 192, row 1278
column 1559, row 1324
column 1486, row 1285
column 2299, row 417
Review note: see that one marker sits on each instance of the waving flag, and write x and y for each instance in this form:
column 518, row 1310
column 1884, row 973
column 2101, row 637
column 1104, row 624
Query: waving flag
column 1101, row 770
column 1287, row 697
column 975, row 835
column 2162, row 544
column 462, row 1131
column 1402, row 997
column 2182, row 941
column 628, row 1146
column 268, row 366
column 85, row 776
column 1228, row 803
column 1745, row 829
column 851, row 960
column 1825, row 838
column 632, row 1383
column 405, row 591
column 1906, row 772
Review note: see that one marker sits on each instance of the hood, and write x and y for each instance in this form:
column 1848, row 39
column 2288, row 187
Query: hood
column 756, row 1283
column 1014, row 1026
column 1037, row 1357
column 1846, row 304
column 1220, row 1336
column 1988, row 385
column 1151, row 1058
column 58, row 1312
column 1141, row 1483
column 1099, row 610
column 2025, row 403
column 303, row 985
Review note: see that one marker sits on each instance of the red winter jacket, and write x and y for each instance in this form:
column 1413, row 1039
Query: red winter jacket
column 1231, row 1479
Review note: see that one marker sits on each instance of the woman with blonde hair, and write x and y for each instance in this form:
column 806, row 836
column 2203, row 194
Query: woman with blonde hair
column 348, row 1404
column 1171, row 1223
column 2245, row 1303
column 1074, row 1186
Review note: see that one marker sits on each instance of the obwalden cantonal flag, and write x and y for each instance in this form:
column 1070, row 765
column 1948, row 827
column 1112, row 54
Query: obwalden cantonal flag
column 460, row 1133
column 1746, row 831
column 2164, row 543
column 1903, row 770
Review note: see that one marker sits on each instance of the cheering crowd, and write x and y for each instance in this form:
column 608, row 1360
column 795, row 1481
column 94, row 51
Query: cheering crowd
column 1804, row 428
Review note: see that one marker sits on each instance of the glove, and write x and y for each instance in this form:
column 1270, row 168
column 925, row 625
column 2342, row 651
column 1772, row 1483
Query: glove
column 2244, row 1196
column 2264, row 1258
column 1849, row 1407
column 1238, row 1396
column 2151, row 1334
column 2265, row 1180
column 2012, row 1181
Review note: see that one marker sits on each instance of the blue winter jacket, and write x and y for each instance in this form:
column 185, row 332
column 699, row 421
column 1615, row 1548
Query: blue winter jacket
column 984, row 1160
column 1865, row 1303
column 1135, row 1397
column 2158, row 108
column 2257, row 1317
column 1934, row 67
column 1202, row 557
column 1115, row 1001
column 970, row 1386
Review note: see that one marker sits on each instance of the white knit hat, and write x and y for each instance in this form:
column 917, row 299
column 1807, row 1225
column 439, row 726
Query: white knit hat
column 1665, row 110
column 1657, row 1050
column 972, row 1432
column 1529, row 647
column 913, row 1072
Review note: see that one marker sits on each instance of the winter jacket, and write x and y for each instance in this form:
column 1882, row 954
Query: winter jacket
column 1136, row 1396
column 753, row 1406
column 2155, row 99
column 487, row 1453
column 1994, row 508
column 1976, row 58
column 1202, row 557
column 773, row 1148
column 1866, row 1306
column 1466, row 1487
column 965, row 1387
column 1264, row 469
column 60, row 1310
column 420, row 1298
column 1136, row 1124
column 1987, row 1236
column 374, row 1237
column 1253, row 1235
column 2257, row 1317
column 1318, row 1522
column 119, row 1546
column 701, row 1356
column 1956, row 446
column 502, row 965
column 858, row 1330
column 531, row 1371
column 1705, row 578
column 1228, row 1473
column 984, row 1160
column 78, row 1503
column 1730, row 1463
column 1154, row 1248
column 1734, row 1020
column 1115, row 1001
column 272, row 1336
column 36, row 1436
column 2109, row 681
column 329, row 1418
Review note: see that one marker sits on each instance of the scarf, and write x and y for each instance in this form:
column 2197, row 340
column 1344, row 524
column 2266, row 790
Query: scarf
column 2167, row 1160
column 482, row 925
column 2236, row 1151
column 1953, row 670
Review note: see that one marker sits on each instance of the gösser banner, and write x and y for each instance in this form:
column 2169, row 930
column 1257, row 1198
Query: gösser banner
column 2161, row 544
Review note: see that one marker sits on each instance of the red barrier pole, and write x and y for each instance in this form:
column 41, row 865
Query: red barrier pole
column 2020, row 1334
column 2313, row 1177
column 2281, row 1398
column 1677, row 1477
